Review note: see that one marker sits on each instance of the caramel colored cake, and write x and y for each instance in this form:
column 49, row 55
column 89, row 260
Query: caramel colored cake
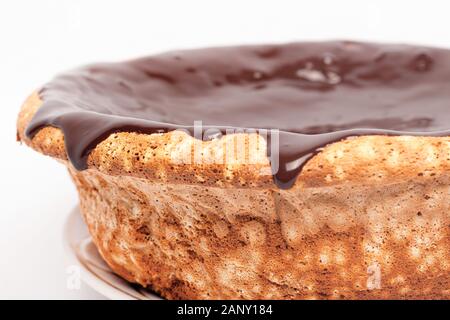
column 319, row 171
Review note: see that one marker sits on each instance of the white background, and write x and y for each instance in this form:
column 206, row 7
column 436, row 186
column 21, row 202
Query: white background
column 41, row 38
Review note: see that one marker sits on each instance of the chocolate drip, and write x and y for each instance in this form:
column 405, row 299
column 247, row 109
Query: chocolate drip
column 314, row 93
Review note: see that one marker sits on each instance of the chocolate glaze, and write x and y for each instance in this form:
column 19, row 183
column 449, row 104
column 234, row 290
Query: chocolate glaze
column 314, row 93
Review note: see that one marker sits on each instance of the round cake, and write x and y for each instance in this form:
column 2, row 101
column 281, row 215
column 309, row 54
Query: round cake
column 315, row 170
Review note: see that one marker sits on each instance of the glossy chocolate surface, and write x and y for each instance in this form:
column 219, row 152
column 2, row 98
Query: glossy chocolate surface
column 314, row 93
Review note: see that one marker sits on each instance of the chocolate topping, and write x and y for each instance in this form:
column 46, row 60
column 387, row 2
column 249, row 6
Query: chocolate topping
column 314, row 93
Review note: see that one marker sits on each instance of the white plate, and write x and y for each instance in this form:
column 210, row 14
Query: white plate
column 94, row 271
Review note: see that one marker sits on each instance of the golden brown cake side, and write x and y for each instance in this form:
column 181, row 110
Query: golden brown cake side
column 347, row 241
column 368, row 217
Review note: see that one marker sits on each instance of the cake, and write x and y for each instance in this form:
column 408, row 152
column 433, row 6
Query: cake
column 314, row 170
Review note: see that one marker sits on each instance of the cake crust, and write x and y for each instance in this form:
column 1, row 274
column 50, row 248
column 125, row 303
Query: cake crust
column 159, row 157
column 346, row 242
column 368, row 217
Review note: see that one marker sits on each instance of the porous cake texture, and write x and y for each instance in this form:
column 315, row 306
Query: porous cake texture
column 368, row 217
